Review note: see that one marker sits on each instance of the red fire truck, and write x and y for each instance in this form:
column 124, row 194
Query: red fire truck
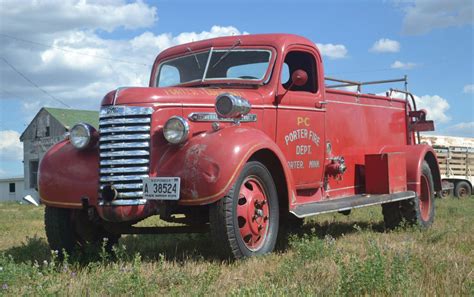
column 243, row 136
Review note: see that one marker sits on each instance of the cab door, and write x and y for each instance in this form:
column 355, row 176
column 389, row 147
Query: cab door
column 301, row 119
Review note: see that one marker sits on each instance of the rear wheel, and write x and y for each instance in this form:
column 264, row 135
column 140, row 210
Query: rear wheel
column 69, row 230
column 245, row 222
column 445, row 193
column 419, row 211
column 462, row 190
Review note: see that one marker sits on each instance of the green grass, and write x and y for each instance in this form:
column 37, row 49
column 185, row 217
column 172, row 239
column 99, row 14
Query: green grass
column 332, row 255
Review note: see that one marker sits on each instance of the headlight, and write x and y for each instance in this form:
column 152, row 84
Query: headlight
column 176, row 130
column 83, row 135
column 231, row 106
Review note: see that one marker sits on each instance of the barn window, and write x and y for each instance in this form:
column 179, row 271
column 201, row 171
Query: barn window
column 12, row 187
column 33, row 174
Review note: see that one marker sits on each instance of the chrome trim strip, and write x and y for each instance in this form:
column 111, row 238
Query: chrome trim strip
column 125, row 129
column 213, row 117
column 119, row 145
column 124, row 162
column 117, row 111
column 125, row 186
column 122, row 177
column 124, row 121
column 123, row 202
column 124, row 169
column 124, row 153
column 125, row 137
column 130, row 194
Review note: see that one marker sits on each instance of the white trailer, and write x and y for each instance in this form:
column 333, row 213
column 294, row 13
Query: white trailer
column 456, row 163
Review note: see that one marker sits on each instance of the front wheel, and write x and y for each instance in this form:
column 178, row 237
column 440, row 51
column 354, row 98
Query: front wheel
column 68, row 230
column 245, row 222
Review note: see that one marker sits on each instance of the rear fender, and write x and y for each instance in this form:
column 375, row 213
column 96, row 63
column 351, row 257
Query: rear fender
column 209, row 163
column 415, row 155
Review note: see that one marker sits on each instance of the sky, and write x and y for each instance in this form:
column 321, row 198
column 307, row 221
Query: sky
column 71, row 53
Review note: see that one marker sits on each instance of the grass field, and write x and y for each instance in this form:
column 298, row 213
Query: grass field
column 332, row 255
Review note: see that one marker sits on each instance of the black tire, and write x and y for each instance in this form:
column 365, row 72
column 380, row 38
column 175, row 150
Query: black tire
column 59, row 229
column 445, row 194
column 70, row 230
column 419, row 211
column 462, row 190
column 227, row 225
column 392, row 216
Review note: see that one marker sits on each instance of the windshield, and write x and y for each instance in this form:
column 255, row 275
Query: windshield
column 228, row 64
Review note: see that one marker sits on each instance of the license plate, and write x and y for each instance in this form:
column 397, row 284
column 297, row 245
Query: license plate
column 161, row 188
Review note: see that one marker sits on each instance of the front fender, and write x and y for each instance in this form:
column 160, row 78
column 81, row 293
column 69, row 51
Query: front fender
column 66, row 175
column 209, row 163
column 415, row 155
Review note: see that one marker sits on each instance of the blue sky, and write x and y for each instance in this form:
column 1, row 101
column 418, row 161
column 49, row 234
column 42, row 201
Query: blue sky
column 75, row 51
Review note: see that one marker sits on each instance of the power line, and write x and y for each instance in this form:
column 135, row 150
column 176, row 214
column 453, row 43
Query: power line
column 73, row 51
column 33, row 83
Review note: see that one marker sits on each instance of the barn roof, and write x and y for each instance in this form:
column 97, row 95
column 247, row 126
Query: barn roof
column 69, row 117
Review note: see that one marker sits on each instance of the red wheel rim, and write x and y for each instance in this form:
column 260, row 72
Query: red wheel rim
column 425, row 199
column 253, row 214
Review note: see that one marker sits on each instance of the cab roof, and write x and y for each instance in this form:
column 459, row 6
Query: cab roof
column 278, row 41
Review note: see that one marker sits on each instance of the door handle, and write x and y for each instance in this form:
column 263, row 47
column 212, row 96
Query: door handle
column 322, row 104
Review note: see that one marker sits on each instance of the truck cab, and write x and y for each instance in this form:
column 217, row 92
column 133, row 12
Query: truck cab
column 240, row 136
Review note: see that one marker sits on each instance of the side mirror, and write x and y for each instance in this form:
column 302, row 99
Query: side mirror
column 299, row 78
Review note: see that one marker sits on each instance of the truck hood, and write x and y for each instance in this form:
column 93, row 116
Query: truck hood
column 174, row 95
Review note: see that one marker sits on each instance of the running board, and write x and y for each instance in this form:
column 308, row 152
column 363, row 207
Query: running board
column 348, row 203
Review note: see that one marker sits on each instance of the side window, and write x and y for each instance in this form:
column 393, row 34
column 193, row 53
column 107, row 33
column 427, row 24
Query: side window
column 169, row 75
column 285, row 74
column 304, row 61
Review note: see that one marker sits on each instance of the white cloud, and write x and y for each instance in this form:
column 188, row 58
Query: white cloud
column 80, row 66
column 332, row 51
column 51, row 16
column 422, row 16
column 11, row 149
column 402, row 65
column 468, row 89
column 464, row 129
column 436, row 106
column 385, row 45
column 349, row 88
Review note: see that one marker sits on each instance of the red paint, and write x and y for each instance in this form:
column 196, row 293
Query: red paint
column 253, row 213
column 385, row 173
column 297, row 127
column 67, row 175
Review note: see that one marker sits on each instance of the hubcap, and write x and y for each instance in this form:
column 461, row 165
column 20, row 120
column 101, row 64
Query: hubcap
column 425, row 199
column 252, row 213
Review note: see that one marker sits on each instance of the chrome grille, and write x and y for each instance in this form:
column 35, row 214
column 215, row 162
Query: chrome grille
column 124, row 148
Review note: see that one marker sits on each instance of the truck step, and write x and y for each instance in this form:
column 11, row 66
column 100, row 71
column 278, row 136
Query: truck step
column 348, row 203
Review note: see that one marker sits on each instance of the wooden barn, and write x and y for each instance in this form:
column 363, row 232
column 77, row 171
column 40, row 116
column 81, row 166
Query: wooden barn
column 48, row 127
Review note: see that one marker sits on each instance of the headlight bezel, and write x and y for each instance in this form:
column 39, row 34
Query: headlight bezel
column 90, row 135
column 184, row 133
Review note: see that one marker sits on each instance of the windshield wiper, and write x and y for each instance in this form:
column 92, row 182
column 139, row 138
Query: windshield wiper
column 226, row 53
column 195, row 57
